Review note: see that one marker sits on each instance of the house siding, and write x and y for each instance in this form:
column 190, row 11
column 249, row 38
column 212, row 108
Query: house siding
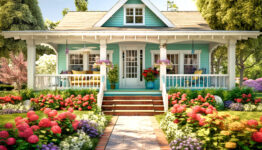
column 117, row 20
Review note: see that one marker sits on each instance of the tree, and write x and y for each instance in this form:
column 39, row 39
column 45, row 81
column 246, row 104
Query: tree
column 171, row 5
column 18, row 15
column 16, row 73
column 236, row 15
column 81, row 5
column 46, row 64
column 65, row 11
column 218, row 57
column 50, row 25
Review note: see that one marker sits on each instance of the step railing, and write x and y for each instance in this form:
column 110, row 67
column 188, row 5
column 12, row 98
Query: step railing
column 164, row 93
column 100, row 95
column 67, row 81
column 197, row 81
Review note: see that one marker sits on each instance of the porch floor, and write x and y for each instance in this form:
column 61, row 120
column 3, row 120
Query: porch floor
column 132, row 92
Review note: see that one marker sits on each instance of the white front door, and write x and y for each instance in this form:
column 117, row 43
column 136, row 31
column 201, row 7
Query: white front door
column 132, row 62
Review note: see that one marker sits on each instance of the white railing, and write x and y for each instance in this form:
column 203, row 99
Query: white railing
column 197, row 81
column 67, row 81
column 164, row 93
column 100, row 95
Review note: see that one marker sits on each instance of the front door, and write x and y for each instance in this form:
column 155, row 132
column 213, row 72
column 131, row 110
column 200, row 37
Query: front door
column 132, row 67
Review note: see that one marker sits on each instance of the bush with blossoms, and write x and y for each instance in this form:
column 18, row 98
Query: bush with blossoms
column 56, row 102
column 10, row 99
column 212, row 130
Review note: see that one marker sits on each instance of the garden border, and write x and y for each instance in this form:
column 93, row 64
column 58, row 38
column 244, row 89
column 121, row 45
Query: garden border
column 160, row 136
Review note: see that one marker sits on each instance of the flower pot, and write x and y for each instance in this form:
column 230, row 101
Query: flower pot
column 150, row 85
column 112, row 86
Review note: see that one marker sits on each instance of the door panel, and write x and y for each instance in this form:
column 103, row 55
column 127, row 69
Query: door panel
column 131, row 68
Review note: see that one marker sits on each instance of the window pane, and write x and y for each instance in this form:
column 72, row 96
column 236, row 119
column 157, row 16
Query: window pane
column 129, row 19
column 139, row 11
column 139, row 19
column 129, row 11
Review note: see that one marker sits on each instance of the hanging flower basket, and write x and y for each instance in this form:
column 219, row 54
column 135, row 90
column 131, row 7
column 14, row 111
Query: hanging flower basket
column 163, row 62
column 102, row 62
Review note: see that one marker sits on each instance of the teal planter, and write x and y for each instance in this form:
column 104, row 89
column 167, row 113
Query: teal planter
column 150, row 85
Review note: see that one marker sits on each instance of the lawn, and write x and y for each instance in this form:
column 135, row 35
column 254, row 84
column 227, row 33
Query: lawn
column 259, row 95
column 10, row 117
column 242, row 114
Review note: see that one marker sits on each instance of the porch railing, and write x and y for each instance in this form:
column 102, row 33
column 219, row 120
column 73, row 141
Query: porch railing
column 100, row 95
column 67, row 81
column 197, row 81
column 164, row 94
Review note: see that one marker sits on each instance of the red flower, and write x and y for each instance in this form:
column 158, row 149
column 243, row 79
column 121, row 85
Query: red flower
column 249, row 95
column 22, row 127
column 47, row 110
column 261, row 118
column 80, row 109
column 238, row 100
column 28, row 132
column 260, row 130
column 53, row 113
column 176, row 121
column 56, row 129
column 30, row 113
column 4, row 134
column 71, row 109
column 54, row 123
column 202, row 122
column 18, row 118
column 257, row 137
column 33, row 117
column 89, row 107
column 35, row 127
column 252, row 123
column 10, row 141
column 2, row 147
column 62, row 116
column 33, row 139
column 75, row 124
column 44, row 123
column 8, row 125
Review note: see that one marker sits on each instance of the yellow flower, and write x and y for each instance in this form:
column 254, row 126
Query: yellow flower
column 231, row 145
column 236, row 126
column 225, row 132
column 235, row 118
column 251, row 130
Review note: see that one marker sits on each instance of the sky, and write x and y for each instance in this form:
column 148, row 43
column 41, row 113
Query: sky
column 52, row 9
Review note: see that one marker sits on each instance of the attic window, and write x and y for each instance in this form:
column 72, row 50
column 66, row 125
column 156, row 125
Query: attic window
column 134, row 15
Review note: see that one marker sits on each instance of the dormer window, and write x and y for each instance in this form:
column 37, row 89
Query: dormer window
column 134, row 14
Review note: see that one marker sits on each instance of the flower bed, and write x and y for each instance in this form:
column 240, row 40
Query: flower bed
column 56, row 102
column 187, row 124
column 55, row 131
column 10, row 99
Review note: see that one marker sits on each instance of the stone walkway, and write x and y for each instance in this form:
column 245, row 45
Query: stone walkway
column 133, row 132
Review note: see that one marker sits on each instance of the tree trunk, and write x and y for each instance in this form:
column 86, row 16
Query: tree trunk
column 241, row 72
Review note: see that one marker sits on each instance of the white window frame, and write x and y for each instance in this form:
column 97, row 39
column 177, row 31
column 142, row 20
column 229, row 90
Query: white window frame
column 134, row 6
column 85, row 57
column 181, row 54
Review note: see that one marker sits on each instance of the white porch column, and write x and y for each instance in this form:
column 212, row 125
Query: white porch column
column 163, row 56
column 231, row 63
column 103, row 57
column 31, row 56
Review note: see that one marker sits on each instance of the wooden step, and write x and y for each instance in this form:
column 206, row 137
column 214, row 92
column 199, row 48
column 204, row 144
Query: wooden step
column 111, row 102
column 133, row 107
column 132, row 97
column 133, row 113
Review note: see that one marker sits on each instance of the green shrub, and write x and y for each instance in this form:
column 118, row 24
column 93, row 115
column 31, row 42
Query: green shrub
column 5, row 87
column 237, row 93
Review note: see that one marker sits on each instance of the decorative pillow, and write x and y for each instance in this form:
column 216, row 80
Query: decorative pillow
column 197, row 72
column 96, row 72
column 78, row 72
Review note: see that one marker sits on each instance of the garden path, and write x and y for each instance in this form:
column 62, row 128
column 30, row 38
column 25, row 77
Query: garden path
column 135, row 132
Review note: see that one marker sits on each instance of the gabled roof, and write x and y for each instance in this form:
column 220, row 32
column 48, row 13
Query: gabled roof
column 85, row 21
column 121, row 3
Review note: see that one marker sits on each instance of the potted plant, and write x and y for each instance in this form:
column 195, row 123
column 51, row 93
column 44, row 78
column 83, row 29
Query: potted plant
column 112, row 76
column 150, row 76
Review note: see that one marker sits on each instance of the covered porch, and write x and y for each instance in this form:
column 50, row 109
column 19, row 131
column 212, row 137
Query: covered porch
column 133, row 53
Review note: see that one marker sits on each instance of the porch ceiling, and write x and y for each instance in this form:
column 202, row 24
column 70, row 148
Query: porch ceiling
column 77, row 37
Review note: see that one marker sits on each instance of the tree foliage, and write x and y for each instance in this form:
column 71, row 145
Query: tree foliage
column 218, row 60
column 81, row 5
column 236, row 15
column 14, row 73
column 171, row 6
column 50, row 25
column 46, row 64
column 18, row 15
column 65, row 11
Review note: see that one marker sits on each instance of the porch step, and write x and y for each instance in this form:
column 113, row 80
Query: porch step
column 133, row 105
column 132, row 93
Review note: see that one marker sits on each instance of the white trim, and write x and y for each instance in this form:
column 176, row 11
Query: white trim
column 110, row 13
column 181, row 54
column 121, row 3
column 134, row 6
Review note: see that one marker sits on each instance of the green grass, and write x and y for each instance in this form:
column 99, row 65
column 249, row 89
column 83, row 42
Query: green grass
column 259, row 95
column 242, row 114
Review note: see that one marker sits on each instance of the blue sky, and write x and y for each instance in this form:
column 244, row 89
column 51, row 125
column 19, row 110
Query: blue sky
column 52, row 9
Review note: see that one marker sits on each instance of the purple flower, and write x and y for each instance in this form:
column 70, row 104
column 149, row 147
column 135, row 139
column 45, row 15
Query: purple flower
column 236, row 107
column 256, row 84
column 50, row 146
column 89, row 128
column 185, row 143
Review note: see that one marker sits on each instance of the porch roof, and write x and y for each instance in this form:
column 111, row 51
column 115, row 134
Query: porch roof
column 78, row 37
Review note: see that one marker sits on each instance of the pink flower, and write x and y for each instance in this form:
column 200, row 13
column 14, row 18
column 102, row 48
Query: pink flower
column 22, row 127
column 62, row 116
column 252, row 123
column 18, row 118
column 28, row 132
column 10, row 141
column 33, row 139
column 176, row 121
column 30, row 113
column 89, row 107
column 80, row 109
column 8, row 125
column 257, row 137
column 2, row 147
column 35, row 127
column 75, row 124
column 239, row 100
column 33, row 117
column 56, row 129
column 47, row 110
column 53, row 113
column 54, row 123
column 4, row 134
column 44, row 123
column 202, row 122
column 71, row 109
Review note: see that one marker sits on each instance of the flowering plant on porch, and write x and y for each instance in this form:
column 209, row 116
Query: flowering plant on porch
column 101, row 62
column 163, row 62
column 150, row 74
